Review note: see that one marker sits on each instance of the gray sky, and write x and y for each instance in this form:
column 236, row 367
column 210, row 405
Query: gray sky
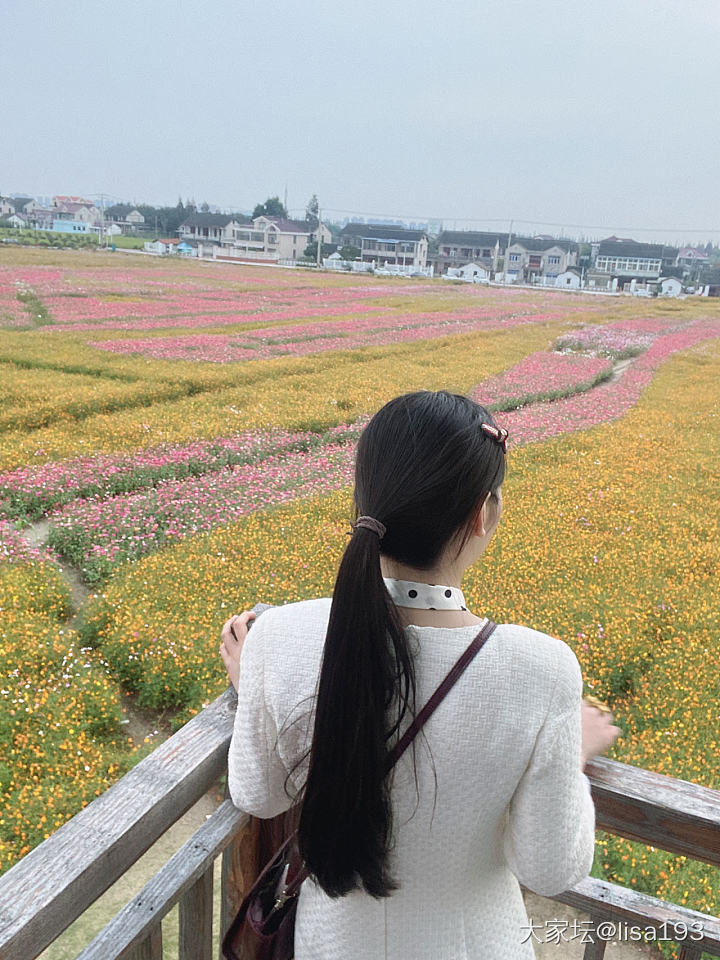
column 603, row 115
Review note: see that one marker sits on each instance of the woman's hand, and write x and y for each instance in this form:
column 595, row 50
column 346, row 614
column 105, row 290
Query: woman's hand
column 598, row 731
column 232, row 638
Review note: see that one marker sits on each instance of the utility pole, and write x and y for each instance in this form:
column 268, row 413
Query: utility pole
column 319, row 239
column 102, row 218
column 507, row 255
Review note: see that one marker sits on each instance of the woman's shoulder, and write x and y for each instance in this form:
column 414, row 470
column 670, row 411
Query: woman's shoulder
column 542, row 655
column 290, row 629
column 303, row 613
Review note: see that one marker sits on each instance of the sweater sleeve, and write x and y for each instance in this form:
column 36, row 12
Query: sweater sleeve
column 256, row 773
column 549, row 840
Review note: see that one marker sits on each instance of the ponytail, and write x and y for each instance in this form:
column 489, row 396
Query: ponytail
column 346, row 814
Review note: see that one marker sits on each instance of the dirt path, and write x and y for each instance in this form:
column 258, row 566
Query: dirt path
column 142, row 724
column 619, row 368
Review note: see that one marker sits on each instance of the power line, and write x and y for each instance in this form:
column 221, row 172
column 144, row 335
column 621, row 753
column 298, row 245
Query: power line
column 535, row 223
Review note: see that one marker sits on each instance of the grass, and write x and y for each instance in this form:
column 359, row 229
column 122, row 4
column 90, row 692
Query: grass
column 38, row 312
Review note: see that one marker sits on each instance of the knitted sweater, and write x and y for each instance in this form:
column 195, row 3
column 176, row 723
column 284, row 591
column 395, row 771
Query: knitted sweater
column 500, row 794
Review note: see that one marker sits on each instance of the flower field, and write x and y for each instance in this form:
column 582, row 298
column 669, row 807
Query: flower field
column 185, row 434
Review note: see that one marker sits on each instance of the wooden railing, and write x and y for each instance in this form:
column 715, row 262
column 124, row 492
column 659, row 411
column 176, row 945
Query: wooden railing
column 55, row 883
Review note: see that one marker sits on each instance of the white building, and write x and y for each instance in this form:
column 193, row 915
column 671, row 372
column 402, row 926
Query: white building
column 569, row 279
column 669, row 287
column 529, row 259
column 262, row 240
column 469, row 272
column 387, row 245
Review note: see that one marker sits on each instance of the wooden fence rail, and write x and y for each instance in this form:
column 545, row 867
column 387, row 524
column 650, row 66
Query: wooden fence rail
column 57, row 881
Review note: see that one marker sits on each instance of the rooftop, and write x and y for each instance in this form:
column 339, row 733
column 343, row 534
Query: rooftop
column 376, row 231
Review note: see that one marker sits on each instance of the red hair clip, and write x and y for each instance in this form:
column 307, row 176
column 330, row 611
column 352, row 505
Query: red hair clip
column 499, row 434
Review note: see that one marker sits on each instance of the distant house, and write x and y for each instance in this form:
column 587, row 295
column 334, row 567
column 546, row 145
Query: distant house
column 690, row 257
column 710, row 282
column 287, row 239
column 127, row 217
column 70, row 226
column 41, row 219
column 76, row 210
column 23, row 205
column 164, row 247
column 16, row 220
column 387, row 244
column 262, row 240
column 469, row 272
column 211, row 229
column 616, row 262
column 569, row 279
column 528, row 259
column 458, row 247
column 6, row 207
column 669, row 287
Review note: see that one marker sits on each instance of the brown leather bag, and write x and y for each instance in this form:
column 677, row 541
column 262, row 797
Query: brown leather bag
column 264, row 928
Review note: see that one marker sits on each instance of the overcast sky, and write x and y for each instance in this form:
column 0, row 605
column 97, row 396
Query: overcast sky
column 603, row 115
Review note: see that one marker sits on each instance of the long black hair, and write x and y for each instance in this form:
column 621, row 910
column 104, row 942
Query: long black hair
column 423, row 469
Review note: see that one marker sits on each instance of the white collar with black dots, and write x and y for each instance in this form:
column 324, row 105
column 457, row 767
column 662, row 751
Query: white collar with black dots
column 424, row 596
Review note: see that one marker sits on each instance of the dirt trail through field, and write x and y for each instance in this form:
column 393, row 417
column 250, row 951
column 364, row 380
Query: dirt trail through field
column 142, row 725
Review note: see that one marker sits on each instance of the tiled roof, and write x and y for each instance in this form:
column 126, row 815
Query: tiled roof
column 537, row 244
column 211, row 220
column 19, row 202
column 642, row 251
column 375, row 231
column 63, row 199
column 72, row 207
column 471, row 238
column 290, row 226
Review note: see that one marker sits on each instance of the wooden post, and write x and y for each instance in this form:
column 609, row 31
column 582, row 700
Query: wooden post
column 196, row 910
column 595, row 949
column 240, row 868
column 150, row 949
column 688, row 952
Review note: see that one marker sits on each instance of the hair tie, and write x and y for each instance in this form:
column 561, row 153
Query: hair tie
column 498, row 434
column 370, row 523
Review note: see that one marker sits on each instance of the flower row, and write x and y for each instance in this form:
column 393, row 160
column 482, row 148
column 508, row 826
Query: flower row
column 542, row 375
column 94, row 536
column 31, row 492
column 60, row 739
column 313, row 338
column 292, row 393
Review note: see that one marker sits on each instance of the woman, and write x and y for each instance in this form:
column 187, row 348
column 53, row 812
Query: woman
column 423, row 862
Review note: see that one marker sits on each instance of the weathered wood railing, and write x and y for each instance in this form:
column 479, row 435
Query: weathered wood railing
column 55, row 883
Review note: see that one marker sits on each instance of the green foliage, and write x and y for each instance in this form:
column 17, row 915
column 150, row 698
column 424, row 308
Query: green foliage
column 273, row 207
column 349, row 252
column 311, row 250
column 312, row 212
column 39, row 314
column 49, row 238
column 128, row 243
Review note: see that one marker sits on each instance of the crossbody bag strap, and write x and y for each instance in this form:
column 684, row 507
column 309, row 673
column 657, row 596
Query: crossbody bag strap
column 299, row 874
column 440, row 694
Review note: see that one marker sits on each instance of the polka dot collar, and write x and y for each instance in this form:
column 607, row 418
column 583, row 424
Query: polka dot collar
column 424, row 596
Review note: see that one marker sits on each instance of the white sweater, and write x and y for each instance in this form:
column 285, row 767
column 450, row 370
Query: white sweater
column 512, row 802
